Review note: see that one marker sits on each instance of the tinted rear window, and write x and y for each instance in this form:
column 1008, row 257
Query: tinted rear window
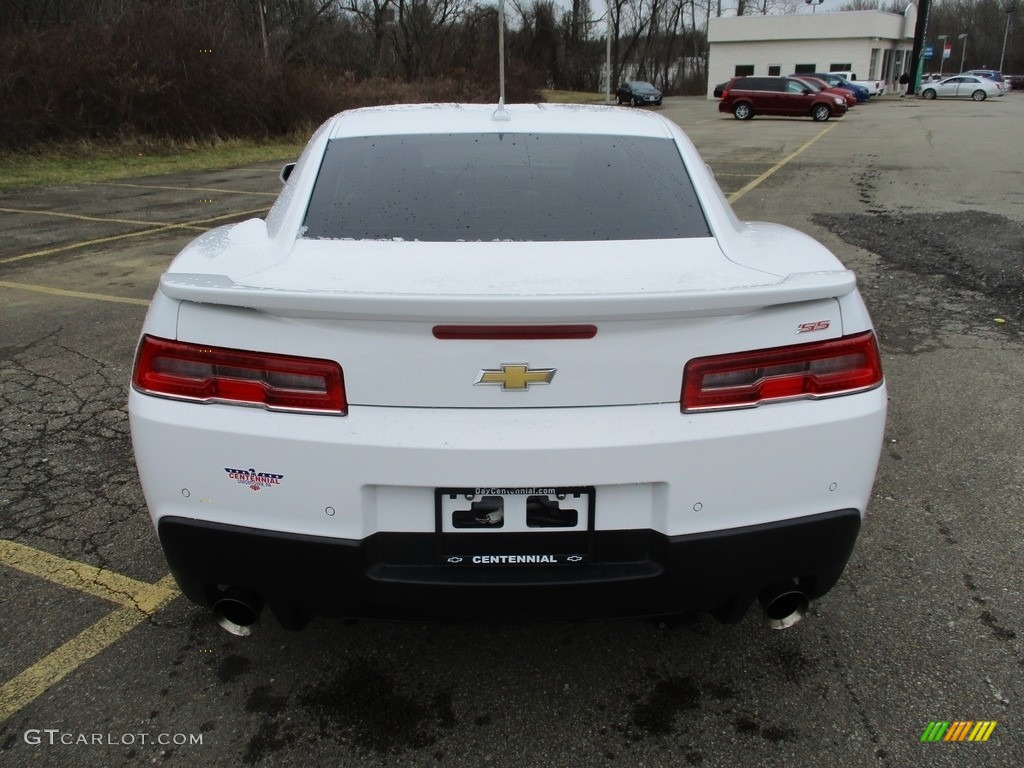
column 486, row 187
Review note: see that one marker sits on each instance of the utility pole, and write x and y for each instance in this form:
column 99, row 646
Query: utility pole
column 920, row 30
column 1010, row 9
column 261, row 12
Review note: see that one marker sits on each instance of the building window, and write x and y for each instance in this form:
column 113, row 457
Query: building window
column 774, row 69
column 840, row 67
column 744, row 70
column 887, row 66
column 900, row 65
column 805, row 69
column 873, row 69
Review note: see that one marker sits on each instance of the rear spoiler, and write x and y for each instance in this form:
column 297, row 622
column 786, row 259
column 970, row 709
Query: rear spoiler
column 222, row 290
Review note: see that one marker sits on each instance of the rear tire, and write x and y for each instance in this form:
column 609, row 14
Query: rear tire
column 821, row 113
column 928, row 93
column 979, row 95
column 743, row 112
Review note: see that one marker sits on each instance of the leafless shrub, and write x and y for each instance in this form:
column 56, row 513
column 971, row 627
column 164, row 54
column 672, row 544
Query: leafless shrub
column 164, row 72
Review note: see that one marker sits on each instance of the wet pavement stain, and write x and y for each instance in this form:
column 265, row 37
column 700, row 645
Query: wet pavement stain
column 793, row 665
column 270, row 737
column 656, row 714
column 998, row 632
column 364, row 705
column 747, row 726
column 232, row 666
column 261, row 700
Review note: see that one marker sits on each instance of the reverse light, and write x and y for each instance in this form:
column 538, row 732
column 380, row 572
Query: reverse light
column 199, row 373
column 803, row 371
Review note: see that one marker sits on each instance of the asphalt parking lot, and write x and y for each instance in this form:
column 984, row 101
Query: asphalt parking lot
column 104, row 664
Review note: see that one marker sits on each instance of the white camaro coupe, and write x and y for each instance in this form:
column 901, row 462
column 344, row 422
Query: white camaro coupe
column 513, row 364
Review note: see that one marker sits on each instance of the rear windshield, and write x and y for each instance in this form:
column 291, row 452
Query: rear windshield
column 494, row 187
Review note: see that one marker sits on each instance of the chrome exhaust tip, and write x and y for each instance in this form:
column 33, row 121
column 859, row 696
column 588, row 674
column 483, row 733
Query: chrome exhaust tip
column 784, row 605
column 238, row 611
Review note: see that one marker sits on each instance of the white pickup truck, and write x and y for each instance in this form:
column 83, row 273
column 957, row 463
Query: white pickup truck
column 875, row 87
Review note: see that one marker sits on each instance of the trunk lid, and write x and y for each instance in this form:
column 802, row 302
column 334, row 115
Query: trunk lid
column 374, row 308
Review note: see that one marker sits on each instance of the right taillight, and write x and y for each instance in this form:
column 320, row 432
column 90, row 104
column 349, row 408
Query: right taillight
column 802, row 371
column 185, row 371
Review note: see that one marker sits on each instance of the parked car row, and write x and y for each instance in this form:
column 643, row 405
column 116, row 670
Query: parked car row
column 818, row 94
column 875, row 87
column 861, row 92
column 823, row 95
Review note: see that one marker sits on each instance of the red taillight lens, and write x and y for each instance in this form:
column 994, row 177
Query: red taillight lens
column 209, row 374
column 812, row 371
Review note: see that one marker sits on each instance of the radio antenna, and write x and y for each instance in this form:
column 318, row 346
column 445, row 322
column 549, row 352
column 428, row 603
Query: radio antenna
column 500, row 113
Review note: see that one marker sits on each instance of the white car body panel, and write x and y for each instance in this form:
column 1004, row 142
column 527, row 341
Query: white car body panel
column 652, row 467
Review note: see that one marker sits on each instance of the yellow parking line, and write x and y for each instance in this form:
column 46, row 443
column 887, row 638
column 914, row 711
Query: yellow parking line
column 140, row 233
column 80, row 217
column 54, row 667
column 740, row 193
column 73, row 294
column 189, row 189
column 94, row 581
column 83, row 244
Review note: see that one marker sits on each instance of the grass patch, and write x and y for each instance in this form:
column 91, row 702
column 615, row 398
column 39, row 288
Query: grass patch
column 572, row 97
column 87, row 162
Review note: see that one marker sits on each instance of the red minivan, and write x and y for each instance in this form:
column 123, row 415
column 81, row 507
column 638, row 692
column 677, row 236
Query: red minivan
column 787, row 96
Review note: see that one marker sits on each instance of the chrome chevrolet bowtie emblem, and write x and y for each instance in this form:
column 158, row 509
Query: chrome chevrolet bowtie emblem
column 515, row 376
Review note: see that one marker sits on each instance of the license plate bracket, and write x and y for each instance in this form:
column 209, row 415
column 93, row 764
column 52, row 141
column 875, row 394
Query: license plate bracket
column 514, row 509
column 514, row 526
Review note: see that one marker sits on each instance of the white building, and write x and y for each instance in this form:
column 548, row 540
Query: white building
column 875, row 44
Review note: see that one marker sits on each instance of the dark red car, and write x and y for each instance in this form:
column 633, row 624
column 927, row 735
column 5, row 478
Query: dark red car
column 821, row 85
column 786, row 96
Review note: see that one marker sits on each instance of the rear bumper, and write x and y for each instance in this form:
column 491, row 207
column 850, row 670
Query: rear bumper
column 406, row 576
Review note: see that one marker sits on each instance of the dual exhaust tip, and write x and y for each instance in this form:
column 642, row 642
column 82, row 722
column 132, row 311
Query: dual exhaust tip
column 784, row 604
column 238, row 610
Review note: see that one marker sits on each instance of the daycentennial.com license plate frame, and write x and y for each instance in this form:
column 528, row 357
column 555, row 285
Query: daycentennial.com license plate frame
column 516, row 545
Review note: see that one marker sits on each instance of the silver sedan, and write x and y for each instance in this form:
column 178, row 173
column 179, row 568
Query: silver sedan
column 962, row 87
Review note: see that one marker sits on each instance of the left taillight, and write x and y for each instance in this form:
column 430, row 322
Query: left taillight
column 802, row 371
column 200, row 373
